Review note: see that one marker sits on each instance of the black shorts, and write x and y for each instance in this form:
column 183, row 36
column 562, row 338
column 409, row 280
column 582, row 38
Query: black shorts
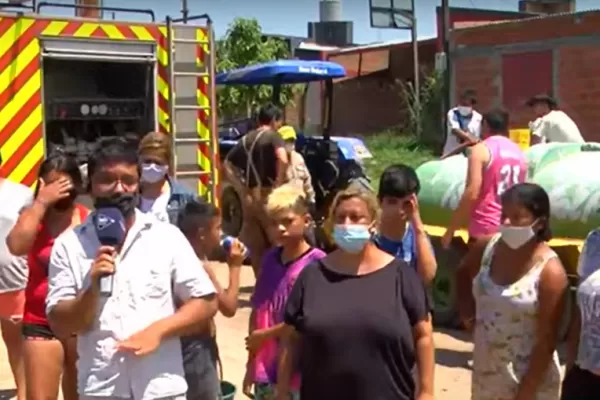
column 580, row 384
column 37, row 332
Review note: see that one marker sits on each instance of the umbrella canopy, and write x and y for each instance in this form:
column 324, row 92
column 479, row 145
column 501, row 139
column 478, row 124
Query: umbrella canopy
column 282, row 71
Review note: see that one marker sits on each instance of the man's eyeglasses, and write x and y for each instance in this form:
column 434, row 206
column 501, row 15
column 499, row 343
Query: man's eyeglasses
column 110, row 181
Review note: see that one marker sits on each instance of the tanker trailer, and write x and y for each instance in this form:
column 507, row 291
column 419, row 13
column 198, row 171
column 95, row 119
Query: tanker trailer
column 565, row 170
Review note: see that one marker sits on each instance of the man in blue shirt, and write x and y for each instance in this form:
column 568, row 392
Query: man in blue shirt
column 401, row 232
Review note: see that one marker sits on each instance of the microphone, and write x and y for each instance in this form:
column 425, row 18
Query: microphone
column 110, row 229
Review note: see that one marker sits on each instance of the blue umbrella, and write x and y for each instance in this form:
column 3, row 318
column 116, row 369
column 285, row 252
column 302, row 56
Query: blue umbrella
column 282, row 72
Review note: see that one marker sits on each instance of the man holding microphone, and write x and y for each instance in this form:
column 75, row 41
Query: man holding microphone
column 114, row 281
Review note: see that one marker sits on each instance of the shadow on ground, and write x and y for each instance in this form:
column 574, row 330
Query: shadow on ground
column 7, row 394
column 456, row 334
column 453, row 358
column 246, row 289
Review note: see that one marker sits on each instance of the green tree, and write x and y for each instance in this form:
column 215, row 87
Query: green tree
column 244, row 44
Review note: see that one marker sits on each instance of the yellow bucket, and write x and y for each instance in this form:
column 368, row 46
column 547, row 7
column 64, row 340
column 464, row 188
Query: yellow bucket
column 520, row 137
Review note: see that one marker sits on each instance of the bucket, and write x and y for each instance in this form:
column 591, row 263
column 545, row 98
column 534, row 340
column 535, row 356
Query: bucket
column 228, row 391
column 520, row 137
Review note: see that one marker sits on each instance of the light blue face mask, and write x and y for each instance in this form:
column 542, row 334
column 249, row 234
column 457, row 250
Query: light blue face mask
column 351, row 238
column 152, row 173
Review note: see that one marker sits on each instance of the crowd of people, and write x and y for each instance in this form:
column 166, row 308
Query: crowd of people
column 355, row 323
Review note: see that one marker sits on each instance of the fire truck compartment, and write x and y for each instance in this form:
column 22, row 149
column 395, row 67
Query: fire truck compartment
column 85, row 99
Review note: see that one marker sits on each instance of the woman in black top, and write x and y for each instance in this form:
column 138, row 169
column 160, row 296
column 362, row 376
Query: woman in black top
column 362, row 317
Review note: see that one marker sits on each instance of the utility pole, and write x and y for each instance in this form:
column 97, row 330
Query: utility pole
column 416, row 66
column 447, row 98
column 184, row 11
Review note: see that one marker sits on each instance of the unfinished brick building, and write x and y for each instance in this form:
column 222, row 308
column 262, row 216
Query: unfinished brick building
column 507, row 62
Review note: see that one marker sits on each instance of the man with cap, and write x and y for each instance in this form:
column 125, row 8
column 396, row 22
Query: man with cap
column 551, row 124
column 161, row 195
column 297, row 172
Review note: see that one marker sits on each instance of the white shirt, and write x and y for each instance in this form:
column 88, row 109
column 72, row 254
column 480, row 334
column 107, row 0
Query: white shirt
column 13, row 270
column 158, row 206
column 473, row 128
column 556, row 126
column 156, row 266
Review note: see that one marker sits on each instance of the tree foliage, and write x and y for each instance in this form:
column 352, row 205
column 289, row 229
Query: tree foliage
column 244, row 44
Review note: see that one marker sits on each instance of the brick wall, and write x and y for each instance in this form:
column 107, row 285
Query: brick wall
column 579, row 88
column 372, row 98
column 575, row 65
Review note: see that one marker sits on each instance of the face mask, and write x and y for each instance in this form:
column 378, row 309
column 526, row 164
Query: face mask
column 351, row 238
column 465, row 111
column 516, row 236
column 124, row 202
column 152, row 173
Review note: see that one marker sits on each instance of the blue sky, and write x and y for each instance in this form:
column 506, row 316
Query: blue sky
column 290, row 17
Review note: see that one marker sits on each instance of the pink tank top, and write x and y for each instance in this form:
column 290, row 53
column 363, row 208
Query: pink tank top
column 507, row 167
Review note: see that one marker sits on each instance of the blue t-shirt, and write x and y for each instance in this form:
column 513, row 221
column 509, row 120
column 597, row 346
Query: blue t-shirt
column 405, row 249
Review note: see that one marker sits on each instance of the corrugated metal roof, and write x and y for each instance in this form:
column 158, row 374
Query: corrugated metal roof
column 382, row 45
column 316, row 47
column 529, row 19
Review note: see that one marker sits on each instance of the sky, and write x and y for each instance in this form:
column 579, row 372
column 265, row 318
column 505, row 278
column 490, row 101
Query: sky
column 290, row 17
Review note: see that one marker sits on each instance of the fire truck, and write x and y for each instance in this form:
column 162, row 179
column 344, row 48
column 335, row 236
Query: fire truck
column 68, row 81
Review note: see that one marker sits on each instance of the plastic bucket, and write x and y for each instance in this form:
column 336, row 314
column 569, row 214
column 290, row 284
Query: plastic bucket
column 520, row 137
column 228, row 391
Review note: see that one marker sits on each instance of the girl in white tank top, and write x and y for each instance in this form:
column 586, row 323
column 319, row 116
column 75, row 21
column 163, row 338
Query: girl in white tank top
column 514, row 356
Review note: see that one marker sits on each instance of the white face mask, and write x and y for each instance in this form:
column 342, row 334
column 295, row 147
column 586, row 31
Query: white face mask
column 465, row 111
column 516, row 236
column 152, row 173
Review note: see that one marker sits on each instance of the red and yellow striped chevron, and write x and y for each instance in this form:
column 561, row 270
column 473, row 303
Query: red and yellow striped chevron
column 205, row 155
column 21, row 111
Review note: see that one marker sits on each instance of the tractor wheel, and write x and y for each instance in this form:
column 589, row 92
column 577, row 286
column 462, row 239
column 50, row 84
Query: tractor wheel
column 231, row 211
column 445, row 312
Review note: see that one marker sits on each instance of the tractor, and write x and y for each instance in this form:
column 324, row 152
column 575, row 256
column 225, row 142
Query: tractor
column 334, row 162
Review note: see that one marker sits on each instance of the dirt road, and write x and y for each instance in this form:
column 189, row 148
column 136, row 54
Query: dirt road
column 452, row 379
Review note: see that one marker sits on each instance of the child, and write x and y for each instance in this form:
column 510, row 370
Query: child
column 297, row 172
column 201, row 224
column 401, row 232
column 288, row 208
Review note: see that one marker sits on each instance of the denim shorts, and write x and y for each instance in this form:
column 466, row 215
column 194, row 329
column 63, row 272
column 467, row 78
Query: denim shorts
column 200, row 355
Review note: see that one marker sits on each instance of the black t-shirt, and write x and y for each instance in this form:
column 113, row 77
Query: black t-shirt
column 357, row 341
column 261, row 145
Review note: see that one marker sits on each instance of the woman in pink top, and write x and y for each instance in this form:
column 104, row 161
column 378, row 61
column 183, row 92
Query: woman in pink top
column 495, row 164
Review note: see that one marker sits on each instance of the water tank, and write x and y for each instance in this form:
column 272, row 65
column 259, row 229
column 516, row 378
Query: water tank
column 330, row 10
column 545, row 7
column 331, row 33
column 87, row 12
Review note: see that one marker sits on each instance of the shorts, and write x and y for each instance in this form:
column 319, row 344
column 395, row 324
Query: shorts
column 12, row 305
column 580, row 384
column 200, row 355
column 265, row 391
column 37, row 332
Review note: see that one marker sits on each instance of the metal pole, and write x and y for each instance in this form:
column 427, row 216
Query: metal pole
column 447, row 98
column 417, row 83
column 184, row 11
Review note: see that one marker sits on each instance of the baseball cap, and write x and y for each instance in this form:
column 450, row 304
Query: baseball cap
column 287, row 132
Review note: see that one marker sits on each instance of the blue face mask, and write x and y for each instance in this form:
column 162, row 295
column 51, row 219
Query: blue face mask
column 351, row 238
